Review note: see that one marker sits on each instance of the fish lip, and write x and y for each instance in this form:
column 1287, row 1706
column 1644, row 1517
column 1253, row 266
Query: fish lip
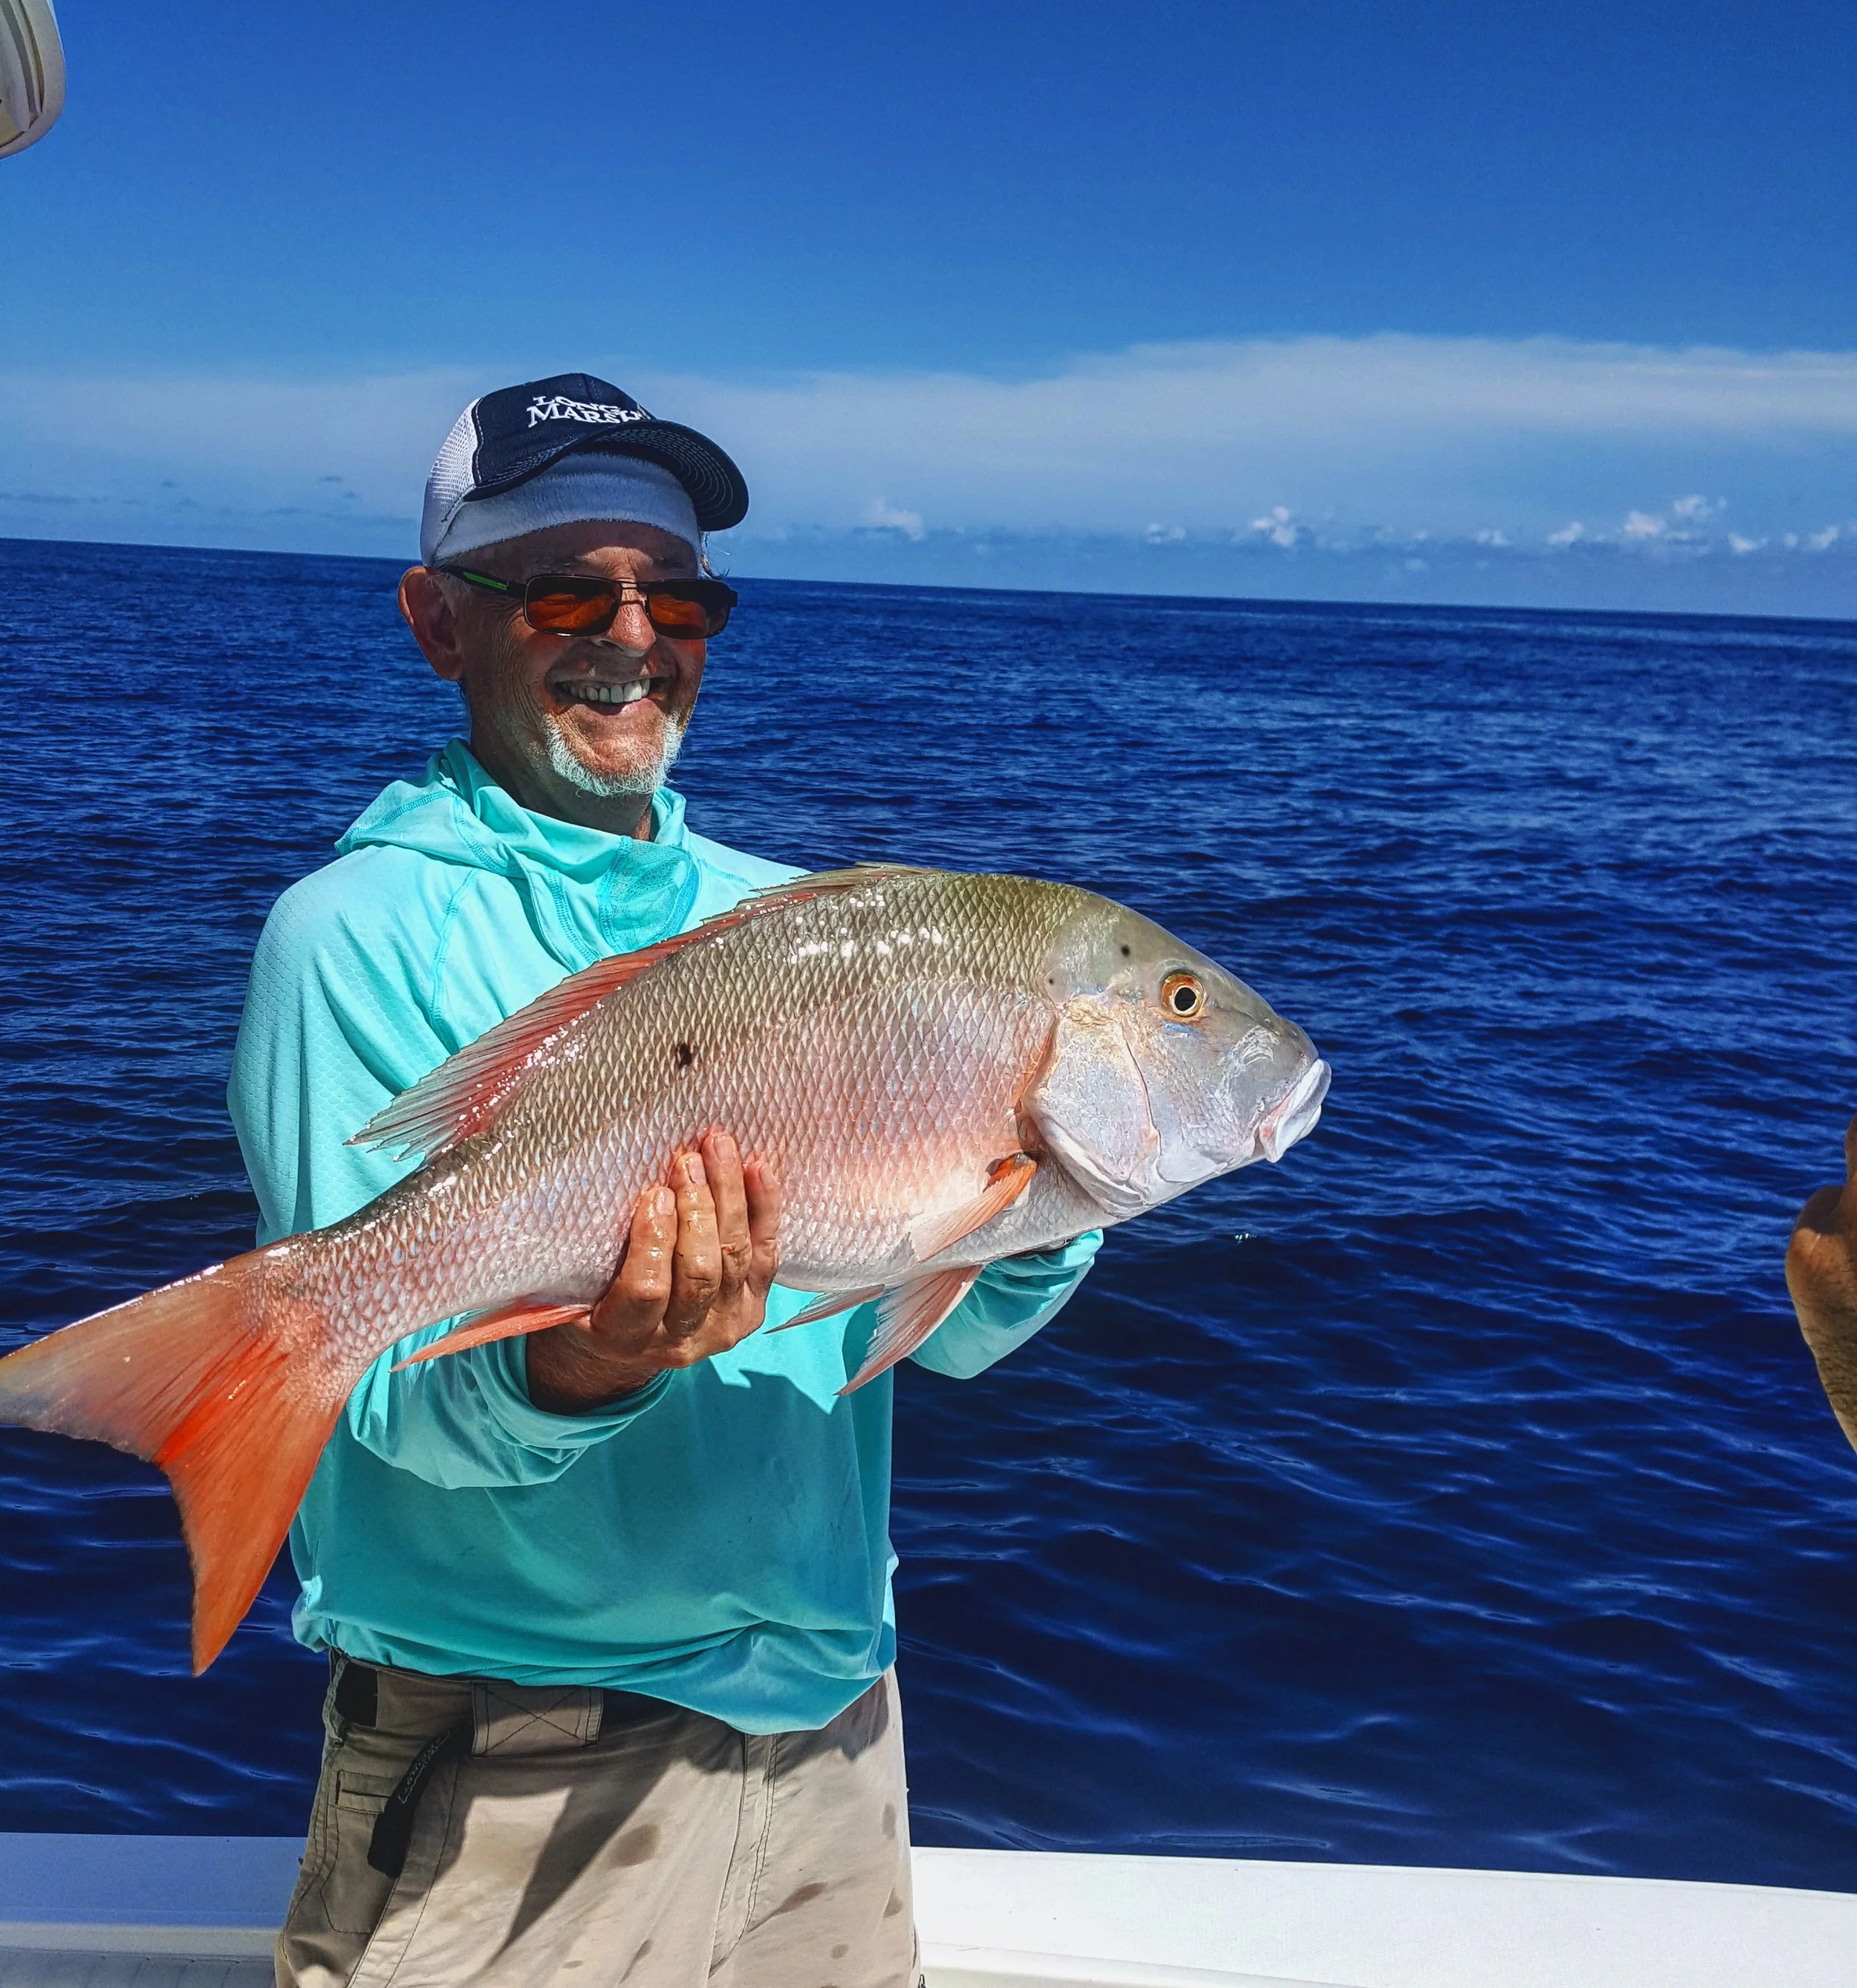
column 1294, row 1118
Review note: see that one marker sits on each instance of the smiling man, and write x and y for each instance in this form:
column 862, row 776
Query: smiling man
column 607, row 1609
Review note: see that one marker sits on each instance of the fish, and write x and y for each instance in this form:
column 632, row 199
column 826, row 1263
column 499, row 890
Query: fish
column 944, row 1069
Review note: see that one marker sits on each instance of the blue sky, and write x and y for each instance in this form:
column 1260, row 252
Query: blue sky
column 1550, row 302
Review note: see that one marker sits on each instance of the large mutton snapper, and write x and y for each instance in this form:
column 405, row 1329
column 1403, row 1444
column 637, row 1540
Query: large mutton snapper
column 943, row 1069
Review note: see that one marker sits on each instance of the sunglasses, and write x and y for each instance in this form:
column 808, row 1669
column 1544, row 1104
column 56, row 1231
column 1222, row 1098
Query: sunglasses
column 561, row 604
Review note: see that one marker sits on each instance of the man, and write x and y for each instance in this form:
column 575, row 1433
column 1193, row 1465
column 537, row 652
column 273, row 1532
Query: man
column 1822, row 1273
column 607, row 1609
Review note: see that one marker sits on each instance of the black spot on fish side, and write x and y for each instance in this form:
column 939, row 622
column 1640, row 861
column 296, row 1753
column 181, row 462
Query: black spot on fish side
column 1127, row 954
column 686, row 1055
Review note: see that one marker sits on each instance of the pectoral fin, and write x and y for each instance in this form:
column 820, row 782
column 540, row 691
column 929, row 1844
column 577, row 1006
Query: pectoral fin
column 929, row 1234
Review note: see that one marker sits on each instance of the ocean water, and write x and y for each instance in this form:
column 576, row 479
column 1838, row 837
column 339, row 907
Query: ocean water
column 1459, row 1493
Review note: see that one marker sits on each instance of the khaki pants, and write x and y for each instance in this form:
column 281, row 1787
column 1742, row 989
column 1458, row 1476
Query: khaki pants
column 568, row 1836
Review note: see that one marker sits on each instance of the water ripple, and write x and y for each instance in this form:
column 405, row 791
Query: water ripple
column 1460, row 1492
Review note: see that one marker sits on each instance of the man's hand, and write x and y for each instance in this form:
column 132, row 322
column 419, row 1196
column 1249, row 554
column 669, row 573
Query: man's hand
column 1821, row 1274
column 693, row 1282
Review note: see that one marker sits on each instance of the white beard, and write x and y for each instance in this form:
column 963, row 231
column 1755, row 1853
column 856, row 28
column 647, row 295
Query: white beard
column 608, row 787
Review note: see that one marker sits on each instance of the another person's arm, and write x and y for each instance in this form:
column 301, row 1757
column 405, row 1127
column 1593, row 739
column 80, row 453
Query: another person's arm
column 1821, row 1274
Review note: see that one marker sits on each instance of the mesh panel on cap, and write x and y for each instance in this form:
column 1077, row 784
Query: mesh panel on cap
column 451, row 477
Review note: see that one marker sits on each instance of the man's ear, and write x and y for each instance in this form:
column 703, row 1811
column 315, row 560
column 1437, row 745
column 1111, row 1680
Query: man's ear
column 433, row 621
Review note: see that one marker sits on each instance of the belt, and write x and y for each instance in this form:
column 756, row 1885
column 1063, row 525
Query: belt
column 357, row 1696
column 504, row 1718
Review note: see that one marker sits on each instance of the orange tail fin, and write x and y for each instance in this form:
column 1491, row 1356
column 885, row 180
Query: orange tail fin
column 215, row 1379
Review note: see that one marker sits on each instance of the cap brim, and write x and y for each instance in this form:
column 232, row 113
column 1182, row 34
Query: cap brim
column 718, row 490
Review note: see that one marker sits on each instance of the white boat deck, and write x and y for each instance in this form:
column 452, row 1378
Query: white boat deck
column 157, row 1911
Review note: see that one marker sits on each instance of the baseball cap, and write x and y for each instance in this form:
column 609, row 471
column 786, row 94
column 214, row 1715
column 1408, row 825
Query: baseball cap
column 505, row 441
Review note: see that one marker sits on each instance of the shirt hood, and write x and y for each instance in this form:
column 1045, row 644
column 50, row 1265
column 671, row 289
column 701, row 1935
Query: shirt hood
column 589, row 894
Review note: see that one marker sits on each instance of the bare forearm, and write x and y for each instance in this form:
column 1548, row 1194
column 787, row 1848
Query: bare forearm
column 569, row 1374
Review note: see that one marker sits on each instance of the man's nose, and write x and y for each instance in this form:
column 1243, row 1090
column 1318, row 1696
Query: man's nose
column 631, row 630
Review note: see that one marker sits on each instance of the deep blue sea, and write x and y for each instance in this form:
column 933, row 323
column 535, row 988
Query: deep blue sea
column 1459, row 1493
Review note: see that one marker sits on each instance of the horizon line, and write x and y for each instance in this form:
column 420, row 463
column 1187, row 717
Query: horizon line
column 1262, row 603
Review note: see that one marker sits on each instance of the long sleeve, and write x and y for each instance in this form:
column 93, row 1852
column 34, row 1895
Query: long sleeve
column 1009, row 1302
column 722, row 1540
column 335, row 1025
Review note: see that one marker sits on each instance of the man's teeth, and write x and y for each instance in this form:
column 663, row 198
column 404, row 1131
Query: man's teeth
column 606, row 693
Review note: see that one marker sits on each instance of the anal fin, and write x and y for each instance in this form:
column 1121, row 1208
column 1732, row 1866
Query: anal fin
column 508, row 1321
column 929, row 1234
column 906, row 1315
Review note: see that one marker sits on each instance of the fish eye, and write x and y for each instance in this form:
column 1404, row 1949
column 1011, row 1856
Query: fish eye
column 1183, row 996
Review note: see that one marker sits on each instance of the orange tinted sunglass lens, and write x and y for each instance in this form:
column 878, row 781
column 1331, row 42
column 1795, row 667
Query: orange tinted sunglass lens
column 567, row 609
column 570, row 610
column 669, row 616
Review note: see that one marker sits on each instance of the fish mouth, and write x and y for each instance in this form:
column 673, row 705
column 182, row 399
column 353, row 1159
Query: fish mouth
column 1295, row 1116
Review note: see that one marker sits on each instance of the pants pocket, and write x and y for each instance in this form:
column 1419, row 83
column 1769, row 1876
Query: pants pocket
column 354, row 1893
column 340, row 1896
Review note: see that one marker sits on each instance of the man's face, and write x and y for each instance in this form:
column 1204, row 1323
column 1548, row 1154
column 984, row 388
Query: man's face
column 559, row 718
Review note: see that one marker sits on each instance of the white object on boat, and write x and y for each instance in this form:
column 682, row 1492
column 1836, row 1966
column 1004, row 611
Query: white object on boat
column 162, row 1910
column 31, row 73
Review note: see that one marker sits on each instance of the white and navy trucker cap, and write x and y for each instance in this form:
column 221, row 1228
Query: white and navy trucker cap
column 504, row 440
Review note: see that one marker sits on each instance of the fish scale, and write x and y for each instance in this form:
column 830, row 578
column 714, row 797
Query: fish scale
column 941, row 1069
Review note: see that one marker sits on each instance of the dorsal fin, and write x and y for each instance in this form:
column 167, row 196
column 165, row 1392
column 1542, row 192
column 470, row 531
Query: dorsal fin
column 464, row 1094
column 461, row 1096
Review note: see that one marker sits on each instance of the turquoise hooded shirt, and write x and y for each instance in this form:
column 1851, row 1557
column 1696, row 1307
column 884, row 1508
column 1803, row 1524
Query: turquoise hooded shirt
column 719, row 1540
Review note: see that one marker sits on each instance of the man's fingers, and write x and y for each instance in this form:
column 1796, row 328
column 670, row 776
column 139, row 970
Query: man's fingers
column 722, row 1161
column 634, row 1301
column 696, row 1268
column 762, row 1186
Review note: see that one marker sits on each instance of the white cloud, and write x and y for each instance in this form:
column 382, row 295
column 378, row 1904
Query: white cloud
column 1277, row 525
column 883, row 517
column 1740, row 546
column 1164, row 535
column 1412, row 433
column 1694, row 510
column 1680, row 526
column 1387, row 440
column 1822, row 542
